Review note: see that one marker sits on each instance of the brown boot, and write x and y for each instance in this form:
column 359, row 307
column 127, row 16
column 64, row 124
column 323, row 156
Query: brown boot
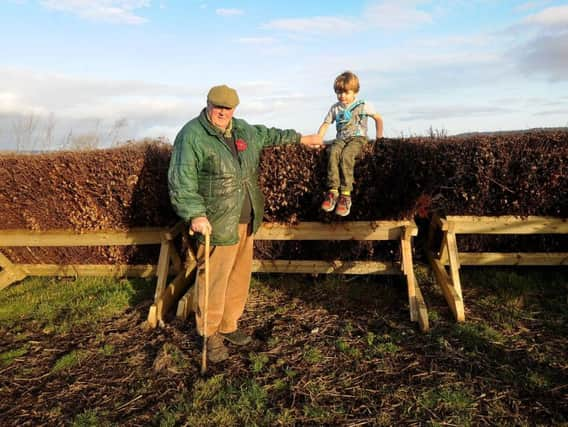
column 216, row 350
column 237, row 337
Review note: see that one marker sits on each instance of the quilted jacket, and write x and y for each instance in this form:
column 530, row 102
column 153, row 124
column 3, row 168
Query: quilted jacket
column 204, row 179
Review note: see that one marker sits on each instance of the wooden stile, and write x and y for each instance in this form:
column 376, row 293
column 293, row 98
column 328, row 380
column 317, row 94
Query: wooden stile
column 448, row 255
column 403, row 231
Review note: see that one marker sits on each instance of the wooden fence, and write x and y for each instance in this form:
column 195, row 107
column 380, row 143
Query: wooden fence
column 170, row 263
column 401, row 231
column 448, row 255
column 12, row 272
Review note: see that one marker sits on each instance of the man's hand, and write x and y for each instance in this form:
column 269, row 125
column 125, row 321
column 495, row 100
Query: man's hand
column 312, row 141
column 201, row 225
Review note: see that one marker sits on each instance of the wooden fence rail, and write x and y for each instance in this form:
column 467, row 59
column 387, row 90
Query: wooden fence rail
column 401, row 231
column 448, row 255
column 12, row 272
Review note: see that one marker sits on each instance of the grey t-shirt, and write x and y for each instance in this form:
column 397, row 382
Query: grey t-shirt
column 350, row 120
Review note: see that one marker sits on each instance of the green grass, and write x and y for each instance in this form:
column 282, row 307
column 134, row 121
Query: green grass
column 257, row 362
column 90, row 418
column 452, row 404
column 521, row 295
column 381, row 345
column 312, row 355
column 59, row 305
column 263, row 396
column 7, row 357
column 218, row 401
column 172, row 358
column 347, row 348
column 69, row 360
column 107, row 350
column 477, row 336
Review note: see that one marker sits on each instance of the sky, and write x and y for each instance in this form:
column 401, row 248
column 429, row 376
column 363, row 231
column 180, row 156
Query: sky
column 75, row 72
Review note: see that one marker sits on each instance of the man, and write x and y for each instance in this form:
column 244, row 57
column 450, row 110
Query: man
column 213, row 185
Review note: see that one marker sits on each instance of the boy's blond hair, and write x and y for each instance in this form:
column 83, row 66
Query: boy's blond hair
column 346, row 81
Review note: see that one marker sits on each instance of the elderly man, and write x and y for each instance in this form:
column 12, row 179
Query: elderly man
column 213, row 185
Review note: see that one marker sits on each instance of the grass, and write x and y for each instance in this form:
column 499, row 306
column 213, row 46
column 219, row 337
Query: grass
column 452, row 405
column 69, row 360
column 58, row 305
column 107, row 350
column 521, row 295
column 328, row 347
column 90, row 418
column 477, row 337
column 218, row 401
column 312, row 355
column 7, row 357
column 257, row 362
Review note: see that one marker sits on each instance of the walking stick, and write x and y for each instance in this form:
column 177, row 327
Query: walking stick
column 205, row 305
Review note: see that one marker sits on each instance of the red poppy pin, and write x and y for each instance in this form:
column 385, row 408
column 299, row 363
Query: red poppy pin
column 241, row 144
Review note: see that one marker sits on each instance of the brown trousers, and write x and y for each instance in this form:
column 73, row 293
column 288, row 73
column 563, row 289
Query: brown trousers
column 229, row 281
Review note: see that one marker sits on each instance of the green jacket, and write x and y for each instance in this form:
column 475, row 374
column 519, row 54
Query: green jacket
column 204, row 179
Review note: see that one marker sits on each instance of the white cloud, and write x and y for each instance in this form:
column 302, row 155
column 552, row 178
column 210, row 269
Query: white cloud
column 531, row 5
column 450, row 111
column 385, row 14
column 550, row 17
column 229, row 12
column 88, row 105
column 256, row 40
column 114, row 11
column 558, row 111
column 315, row 25
column 157, row 131
column 395, row 15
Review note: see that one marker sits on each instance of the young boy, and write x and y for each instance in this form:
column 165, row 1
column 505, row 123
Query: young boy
column 350, row 116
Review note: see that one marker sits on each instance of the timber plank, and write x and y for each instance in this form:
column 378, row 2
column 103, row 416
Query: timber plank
column 454, row 261
column 185, row 304
column 356, row 230
column 118, row 270
column 10, row 276
column 408, row 270
column 135, row 236
column 453, row 299
column 10, row 273
column 171, row 294
column 508, row 225
column 514, row 258
column 422, row 311
column 153, row 316
column 163, row 268
column 324, row 267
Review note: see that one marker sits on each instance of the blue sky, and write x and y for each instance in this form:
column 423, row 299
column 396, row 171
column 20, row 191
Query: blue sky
column 113, row 70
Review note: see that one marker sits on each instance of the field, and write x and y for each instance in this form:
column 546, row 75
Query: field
column 327, row 350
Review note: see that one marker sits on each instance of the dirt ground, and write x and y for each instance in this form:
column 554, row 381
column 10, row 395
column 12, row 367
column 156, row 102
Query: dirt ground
column 326, row 351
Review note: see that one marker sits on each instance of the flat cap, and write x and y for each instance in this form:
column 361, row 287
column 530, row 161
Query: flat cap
column 223, row 96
